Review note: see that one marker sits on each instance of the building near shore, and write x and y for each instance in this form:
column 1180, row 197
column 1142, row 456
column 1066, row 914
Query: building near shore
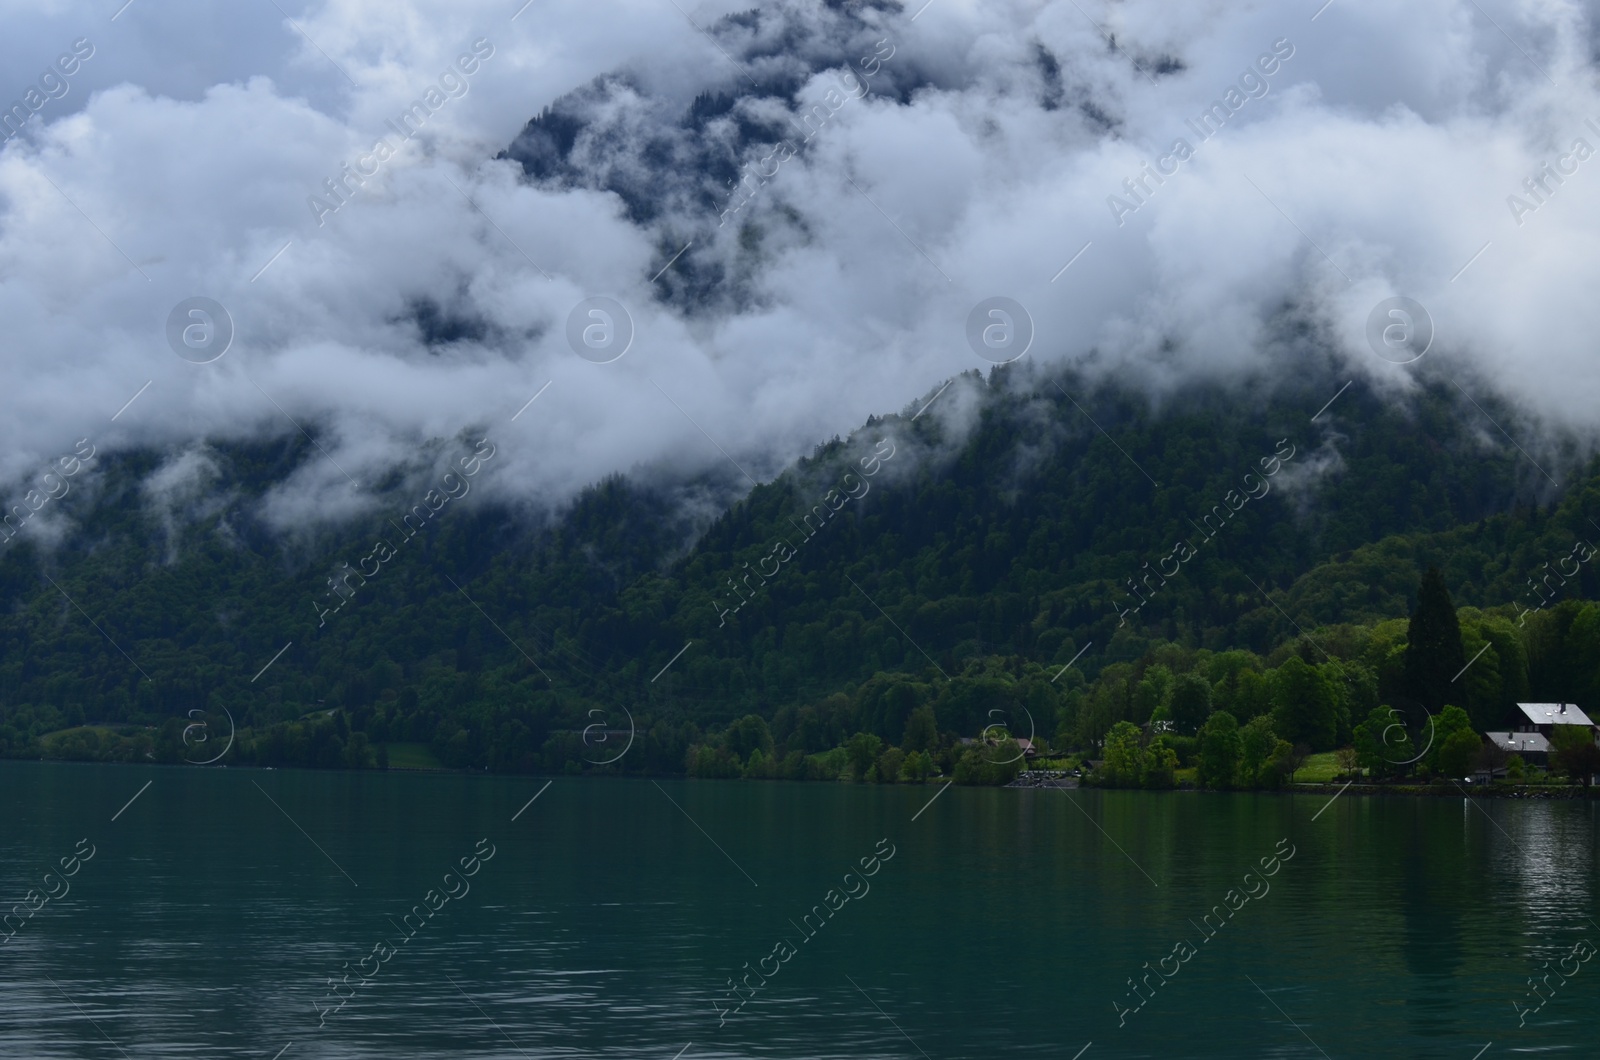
column 1546, row 718
column 1533, row 747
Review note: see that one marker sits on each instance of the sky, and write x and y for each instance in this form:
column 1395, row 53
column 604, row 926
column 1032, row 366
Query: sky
column 976, row 151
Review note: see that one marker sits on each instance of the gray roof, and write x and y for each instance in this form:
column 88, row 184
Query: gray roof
column 1520, row 741
column 1554, row 714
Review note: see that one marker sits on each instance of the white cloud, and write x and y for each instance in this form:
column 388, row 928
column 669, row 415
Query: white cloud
column 193, row 139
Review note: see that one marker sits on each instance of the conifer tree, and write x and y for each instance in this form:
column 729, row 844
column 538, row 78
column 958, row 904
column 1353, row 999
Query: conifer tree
column 1434, row 655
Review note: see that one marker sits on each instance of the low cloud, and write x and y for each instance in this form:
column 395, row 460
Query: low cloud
column 433, row 304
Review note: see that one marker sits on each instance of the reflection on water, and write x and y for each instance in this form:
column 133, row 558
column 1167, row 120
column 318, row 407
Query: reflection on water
column 229, row 913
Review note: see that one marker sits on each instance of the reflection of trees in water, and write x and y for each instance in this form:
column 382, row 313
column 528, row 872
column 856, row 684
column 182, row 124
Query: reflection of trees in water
column 1442, row 890
column 1489, row 898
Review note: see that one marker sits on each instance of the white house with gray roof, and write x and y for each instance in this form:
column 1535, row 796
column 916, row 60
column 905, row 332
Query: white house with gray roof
column 1545, row 718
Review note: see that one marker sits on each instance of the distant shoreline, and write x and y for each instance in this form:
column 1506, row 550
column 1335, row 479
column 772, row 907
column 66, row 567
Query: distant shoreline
column 1498, row 791
column 1490, row 791
column 1530, row 792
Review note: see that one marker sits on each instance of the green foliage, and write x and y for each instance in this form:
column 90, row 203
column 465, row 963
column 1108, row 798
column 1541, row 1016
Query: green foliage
column 1160, row 764
column 748, row 736
column 889, row 765
column 1219, row 751
column 1305, row 704
column 1458, row 753
column 1185, row 747
column 989, row 764
column 1382, row 743
column 863, row 750
column 1573, row 752
column 1434, row 654
column 1124, row 757
column 999, row 559
column 1151, row 695
column 758, row 767
column 1191, row 703
column 713, row 763
column 1258, row 744
column 1479, row 687
column 916, row 768
column 1452, row 723
column 922, row 732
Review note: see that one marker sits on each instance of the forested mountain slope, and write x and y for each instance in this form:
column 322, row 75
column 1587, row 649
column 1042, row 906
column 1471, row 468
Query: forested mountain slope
column 999, row 531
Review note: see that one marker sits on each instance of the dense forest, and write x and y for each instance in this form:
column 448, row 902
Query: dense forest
column 891, row 595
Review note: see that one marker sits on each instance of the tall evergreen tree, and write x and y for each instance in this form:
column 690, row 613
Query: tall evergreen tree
column 1434, row 655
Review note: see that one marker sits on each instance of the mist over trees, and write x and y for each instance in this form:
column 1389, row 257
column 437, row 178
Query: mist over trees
column 996, row 556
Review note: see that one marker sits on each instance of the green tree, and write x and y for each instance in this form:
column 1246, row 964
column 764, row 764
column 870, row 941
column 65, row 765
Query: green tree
column 758, row 767
column 357, row 754
column 1160, row 764
column 1353, row 689
column 748, row 735
column 917, row 767
column 169, row 741
column 712, row 762
column 1154, row 688
column 1304, row 708
column 1254, row 696
column 1383, row 746
column 1458, row 752
column 1257, row 741
column 922, row 731
column 1479, row 688
column 1573, row 751
column 1219, row 750
column 1124, row 757
column 1434, row 655
column 1190, row 704
column 1278, row 768
column 1224, row 665
column 863, row 750
column 889, row 764
column 1452, row 723
column 996, row 765
column 1583, row 646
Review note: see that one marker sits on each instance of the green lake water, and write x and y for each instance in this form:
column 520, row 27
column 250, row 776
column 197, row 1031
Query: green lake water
column 606, row 919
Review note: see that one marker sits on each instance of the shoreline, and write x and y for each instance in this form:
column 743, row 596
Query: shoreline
column 1445, row 789
column 1022, row 783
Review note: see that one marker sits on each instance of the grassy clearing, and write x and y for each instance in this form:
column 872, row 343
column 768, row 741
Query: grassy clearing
column 1318, row 769
column 412, row 756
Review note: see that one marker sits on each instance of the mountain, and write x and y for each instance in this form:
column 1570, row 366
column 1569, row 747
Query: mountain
column 1019, row 521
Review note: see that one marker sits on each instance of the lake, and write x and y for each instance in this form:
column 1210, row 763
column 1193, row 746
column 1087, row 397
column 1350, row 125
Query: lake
column 606, row 918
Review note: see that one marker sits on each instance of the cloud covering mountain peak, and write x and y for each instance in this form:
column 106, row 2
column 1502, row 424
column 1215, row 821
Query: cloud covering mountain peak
column 936, row 156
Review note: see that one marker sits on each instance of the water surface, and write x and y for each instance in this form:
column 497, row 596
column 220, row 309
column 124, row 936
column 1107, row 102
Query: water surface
column 607, row 919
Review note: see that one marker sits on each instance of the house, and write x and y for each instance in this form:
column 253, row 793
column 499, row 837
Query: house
column 1544, row 718
column 1028, row 750
column 1532, row 746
